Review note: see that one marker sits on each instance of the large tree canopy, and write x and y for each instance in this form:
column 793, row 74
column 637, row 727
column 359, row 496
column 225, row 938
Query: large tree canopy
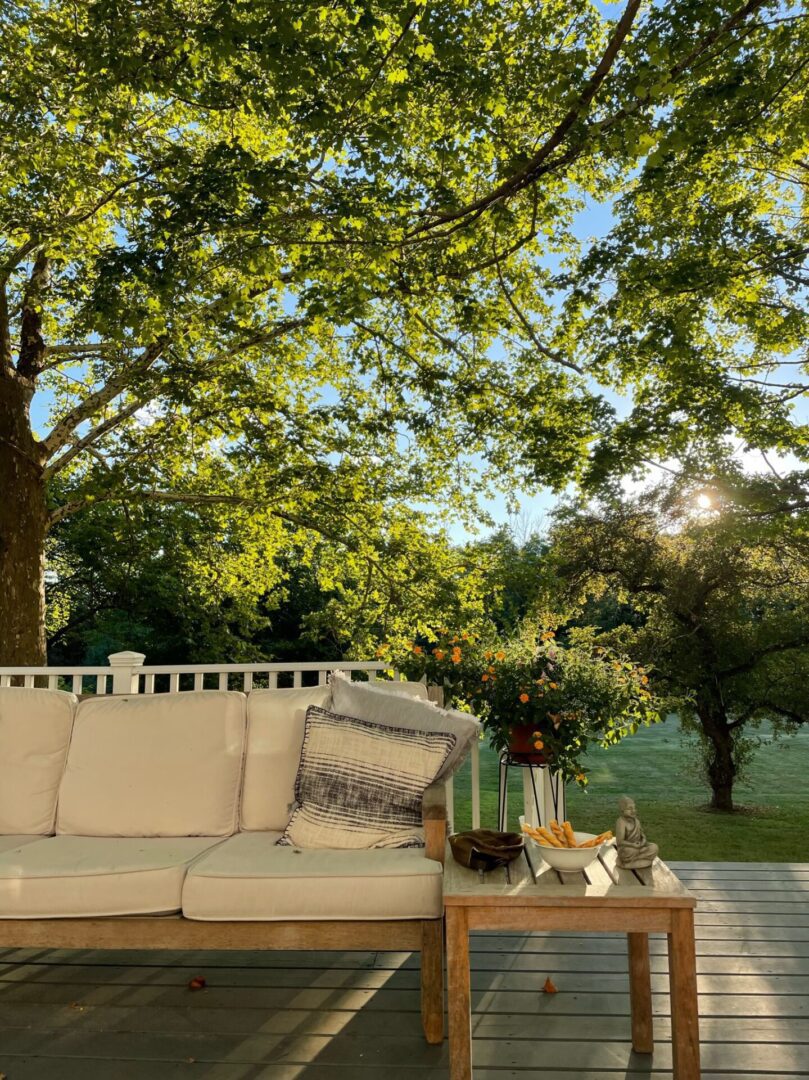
column 305, row 258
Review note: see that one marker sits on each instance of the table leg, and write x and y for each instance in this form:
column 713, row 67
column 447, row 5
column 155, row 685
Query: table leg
column 459, row 1003
column 683, row 982
column 640, row 993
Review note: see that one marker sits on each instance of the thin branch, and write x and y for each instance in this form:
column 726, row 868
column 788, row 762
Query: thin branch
column 525, row 322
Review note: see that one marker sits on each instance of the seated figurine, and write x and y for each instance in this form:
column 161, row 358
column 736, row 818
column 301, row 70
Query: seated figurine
column 635, row 852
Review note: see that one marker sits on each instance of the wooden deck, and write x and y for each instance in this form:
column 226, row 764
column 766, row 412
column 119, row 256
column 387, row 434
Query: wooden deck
column 355, row 1016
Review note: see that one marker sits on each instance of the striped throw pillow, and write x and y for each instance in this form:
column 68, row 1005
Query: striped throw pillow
column 360, row 784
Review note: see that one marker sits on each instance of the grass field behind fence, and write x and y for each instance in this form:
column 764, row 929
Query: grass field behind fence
column 660, row 772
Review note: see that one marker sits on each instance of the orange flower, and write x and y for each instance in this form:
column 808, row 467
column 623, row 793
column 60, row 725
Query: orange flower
column 499, row 655
column 439, row 654
column 465, row 636
column 456, row 658
column 539, row 744
column 581, row 778
column 546, row 636
column 417, row 649
column 524, row 698
column 484, row 677
column 492, row 670
column 645, row 679
column 452, row 640
column 381, row 650
column 488, row 654
column 554, row 686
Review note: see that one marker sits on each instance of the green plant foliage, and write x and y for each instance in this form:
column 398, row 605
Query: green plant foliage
column 571, row 695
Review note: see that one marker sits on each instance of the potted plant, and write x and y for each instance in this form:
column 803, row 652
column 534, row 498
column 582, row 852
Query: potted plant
column 542, row 701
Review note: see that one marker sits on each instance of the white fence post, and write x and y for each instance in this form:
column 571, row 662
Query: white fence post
column 125, row 671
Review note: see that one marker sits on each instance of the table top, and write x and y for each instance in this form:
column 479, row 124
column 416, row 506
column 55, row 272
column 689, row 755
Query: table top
column 530, row 881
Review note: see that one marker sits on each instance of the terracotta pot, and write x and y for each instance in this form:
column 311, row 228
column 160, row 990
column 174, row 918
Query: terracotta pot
column 521, row 745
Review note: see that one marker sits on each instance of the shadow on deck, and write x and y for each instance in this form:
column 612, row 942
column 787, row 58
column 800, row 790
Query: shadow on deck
column 341, row 1016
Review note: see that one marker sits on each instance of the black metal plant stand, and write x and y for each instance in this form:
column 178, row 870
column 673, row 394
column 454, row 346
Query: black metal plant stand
column 553, row 779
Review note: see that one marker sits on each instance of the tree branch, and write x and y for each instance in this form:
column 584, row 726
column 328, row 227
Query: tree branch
column 531, row 172
column 62, row 433
column 92, row 436
column 767, row 650
column 32, row 346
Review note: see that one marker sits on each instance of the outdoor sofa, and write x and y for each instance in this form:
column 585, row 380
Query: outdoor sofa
column 150, row 821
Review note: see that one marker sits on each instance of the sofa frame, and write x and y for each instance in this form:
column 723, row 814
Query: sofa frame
column 425, row 936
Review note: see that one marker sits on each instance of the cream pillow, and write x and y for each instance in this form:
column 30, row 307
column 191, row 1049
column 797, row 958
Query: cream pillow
column 398, row 686
column 367, row 701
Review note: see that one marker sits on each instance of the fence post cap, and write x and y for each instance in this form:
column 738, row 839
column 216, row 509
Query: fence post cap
column 126, row 659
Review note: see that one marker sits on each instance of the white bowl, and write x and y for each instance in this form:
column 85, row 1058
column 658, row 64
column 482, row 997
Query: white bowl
column 569, row 860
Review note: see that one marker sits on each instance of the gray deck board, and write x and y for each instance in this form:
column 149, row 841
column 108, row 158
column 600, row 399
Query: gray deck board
column 340, row 1016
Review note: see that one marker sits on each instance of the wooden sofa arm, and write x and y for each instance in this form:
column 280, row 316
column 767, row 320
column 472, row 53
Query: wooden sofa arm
column 434, row 816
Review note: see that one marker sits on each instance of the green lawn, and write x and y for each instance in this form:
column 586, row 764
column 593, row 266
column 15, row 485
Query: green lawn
column 659, row 771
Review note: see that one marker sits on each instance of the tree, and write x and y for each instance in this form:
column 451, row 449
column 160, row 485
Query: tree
column 699, row 291
column 289, row 257
column 722, row 594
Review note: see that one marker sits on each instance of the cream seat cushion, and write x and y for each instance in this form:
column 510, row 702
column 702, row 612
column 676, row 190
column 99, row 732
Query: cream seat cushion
column 155, row 765
column 276, row 720
column 10, row 843
column 34, row 736
column 249, row 878
column 61, row 877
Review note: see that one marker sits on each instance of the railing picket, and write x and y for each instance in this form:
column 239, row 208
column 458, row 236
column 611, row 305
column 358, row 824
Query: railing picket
column 475, row 766
column 76, row 684
column 273, row 684
column 296, row 678
column 53, row 682
column 148, row 684
column 29, row 680
column 174, row 682
column 101, row 684
column 248, row 681
column 322, row 678
column 198, row 680
column 450, row 789
column 223, row 680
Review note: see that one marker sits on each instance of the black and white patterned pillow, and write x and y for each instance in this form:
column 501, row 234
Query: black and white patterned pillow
column 360, row 784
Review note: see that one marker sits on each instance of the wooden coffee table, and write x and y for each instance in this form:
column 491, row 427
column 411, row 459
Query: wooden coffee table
column 601, row 898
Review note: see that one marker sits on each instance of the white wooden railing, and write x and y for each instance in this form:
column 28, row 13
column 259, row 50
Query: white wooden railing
column 128, row 674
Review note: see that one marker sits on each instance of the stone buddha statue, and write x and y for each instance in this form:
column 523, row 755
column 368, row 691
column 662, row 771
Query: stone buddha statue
column 634, row 851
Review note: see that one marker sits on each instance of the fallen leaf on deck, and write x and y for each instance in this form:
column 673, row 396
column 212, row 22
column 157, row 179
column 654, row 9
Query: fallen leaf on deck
column 197, row 983
column 549, row 988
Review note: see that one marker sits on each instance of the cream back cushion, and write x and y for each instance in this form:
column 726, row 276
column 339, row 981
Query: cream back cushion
column 155, row 765
column 368, row 701
column 34, row 737
column 276, row 720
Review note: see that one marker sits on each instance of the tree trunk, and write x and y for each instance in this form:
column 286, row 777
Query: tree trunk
column 721, row 766
column 23, row 528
